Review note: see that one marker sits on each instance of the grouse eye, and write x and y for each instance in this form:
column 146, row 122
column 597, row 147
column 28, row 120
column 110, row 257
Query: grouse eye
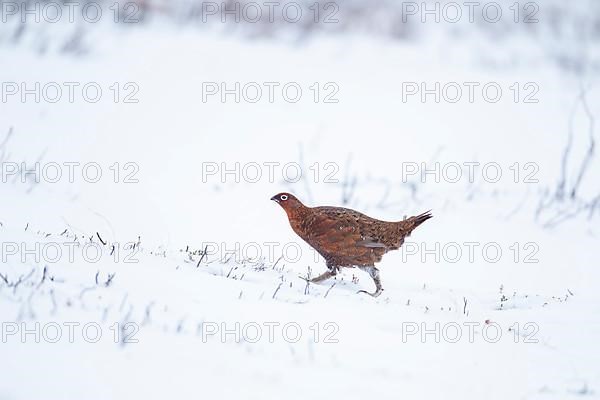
column 283, row 197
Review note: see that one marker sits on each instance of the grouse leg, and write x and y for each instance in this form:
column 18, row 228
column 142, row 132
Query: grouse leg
column 325, row 275
column 374, row 273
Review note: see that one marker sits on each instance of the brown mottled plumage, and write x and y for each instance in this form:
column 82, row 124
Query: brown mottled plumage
column 347, row 238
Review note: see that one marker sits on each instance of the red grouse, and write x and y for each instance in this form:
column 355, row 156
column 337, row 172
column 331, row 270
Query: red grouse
column 347, row 238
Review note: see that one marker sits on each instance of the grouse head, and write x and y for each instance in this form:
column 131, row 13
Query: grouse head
column 287, row 201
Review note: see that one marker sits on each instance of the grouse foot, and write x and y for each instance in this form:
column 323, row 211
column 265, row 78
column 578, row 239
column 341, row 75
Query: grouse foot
column 374, row 294
column 374, row 273
column 325, row 275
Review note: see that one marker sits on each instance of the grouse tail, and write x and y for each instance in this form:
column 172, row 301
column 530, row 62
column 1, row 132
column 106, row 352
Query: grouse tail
column 419, row 219
column 409, row 224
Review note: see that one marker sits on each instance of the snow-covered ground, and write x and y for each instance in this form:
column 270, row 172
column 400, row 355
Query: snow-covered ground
column 172, row 274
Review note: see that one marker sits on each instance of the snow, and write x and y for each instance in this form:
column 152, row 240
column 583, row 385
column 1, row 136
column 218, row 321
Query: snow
column 157, row 314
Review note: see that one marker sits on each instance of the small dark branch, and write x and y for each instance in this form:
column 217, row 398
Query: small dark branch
column 277, row 290
column 44, row 274
column 26, row 226
column 307, row 287
column 230, row 271
column 137, row 244
column 202, row 257
column 276, row 262
column 99, row 238
column 4, row 278
column 110, row 279
column 328, row 290
column 96, row 277
column 112, row 250
column 562, row 183
column 465, row 305
column 147, row 313
column 591, row 148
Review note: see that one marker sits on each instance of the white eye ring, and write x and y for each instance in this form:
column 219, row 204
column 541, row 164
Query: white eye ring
column 283, row 197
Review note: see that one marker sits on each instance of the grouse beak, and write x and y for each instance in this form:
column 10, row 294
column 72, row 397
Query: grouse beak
column 275, row 199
